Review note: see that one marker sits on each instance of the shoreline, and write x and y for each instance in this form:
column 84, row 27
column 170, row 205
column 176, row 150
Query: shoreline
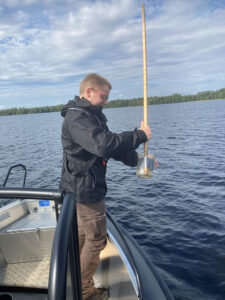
column 112, row 104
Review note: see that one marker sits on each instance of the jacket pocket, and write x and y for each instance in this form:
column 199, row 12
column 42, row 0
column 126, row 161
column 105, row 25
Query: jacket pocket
column 85, row 183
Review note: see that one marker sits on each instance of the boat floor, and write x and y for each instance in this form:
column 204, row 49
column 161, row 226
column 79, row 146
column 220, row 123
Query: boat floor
column 111, row 273
column 26, row 245
column 26, row 274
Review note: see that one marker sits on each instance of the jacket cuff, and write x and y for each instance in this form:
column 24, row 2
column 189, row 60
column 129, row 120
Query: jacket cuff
column 141, row 135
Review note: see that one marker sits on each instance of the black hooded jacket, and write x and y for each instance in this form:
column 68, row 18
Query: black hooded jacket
column 87, row 145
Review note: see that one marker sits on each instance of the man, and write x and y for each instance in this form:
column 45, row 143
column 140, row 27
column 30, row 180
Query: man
column 87, row 145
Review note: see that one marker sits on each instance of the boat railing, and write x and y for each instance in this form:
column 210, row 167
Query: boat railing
column 65, row 242
column 128, row 254
column 65, row 259
column 10, row 170
column 28, row 193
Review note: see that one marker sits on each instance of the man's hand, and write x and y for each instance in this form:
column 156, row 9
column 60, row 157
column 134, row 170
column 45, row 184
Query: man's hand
column 146, row 129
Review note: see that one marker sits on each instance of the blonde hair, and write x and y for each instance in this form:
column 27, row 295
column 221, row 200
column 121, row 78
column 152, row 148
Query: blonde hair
column 93, row 80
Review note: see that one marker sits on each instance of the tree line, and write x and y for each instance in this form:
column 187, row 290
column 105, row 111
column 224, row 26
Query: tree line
column 33, row 110
column 175, row 98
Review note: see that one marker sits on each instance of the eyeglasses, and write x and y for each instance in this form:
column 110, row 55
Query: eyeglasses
column 103, row 95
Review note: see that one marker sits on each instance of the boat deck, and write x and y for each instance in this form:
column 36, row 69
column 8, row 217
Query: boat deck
column 113, row 274
column 25, row 250
column 35, row 275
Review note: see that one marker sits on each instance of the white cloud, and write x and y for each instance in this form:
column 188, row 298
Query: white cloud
column 47, row 48
column 186, row 43
column 19, row 3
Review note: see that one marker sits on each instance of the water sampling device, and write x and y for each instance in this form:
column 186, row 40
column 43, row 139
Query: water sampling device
column 146, row 161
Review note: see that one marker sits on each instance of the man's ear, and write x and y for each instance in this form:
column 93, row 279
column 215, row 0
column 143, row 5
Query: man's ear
column 87, row 93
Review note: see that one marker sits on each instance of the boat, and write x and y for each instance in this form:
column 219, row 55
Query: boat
column 39, row 253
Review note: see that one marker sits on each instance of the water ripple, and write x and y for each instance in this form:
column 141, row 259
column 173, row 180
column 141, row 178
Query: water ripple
column 177, row 216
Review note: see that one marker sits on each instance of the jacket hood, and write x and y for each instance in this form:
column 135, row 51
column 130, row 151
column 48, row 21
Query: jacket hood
column 80, row 102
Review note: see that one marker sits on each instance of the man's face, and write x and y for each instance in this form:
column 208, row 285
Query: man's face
column 98, row 96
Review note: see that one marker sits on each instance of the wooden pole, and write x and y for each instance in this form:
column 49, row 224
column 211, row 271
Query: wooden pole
column 145, row 75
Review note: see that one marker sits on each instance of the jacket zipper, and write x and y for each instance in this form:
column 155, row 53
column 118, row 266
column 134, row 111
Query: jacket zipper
column 94, row 178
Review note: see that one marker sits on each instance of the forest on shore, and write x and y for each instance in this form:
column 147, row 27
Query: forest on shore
column 175, row 98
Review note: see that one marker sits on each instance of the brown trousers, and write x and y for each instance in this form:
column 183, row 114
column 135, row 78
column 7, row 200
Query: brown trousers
column 92, row 239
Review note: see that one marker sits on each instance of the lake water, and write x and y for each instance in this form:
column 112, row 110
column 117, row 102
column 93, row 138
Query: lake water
column 177, row 216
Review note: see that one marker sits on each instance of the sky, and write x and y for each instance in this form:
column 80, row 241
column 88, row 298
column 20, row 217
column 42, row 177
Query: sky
column 48, row 46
